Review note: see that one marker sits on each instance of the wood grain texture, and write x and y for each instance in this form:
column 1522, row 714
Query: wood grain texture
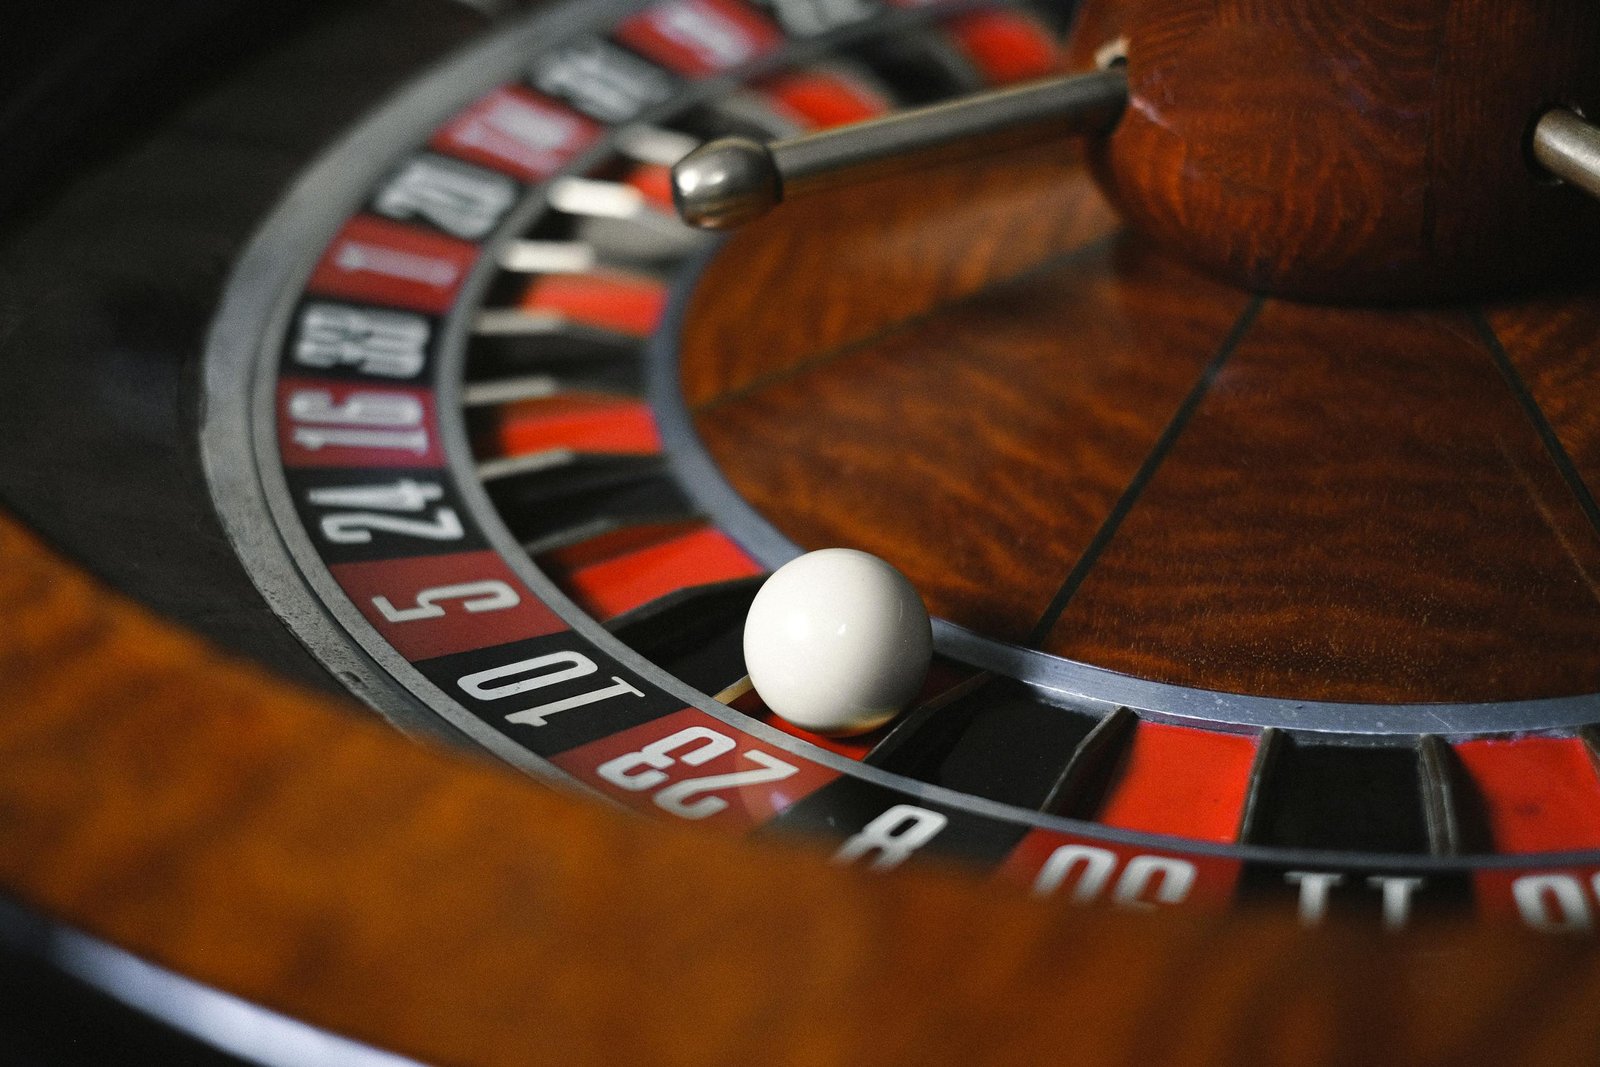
column 1553, row 344
column 980, row 447
column 1371, row 152
column 791, row 285
column 220, row 824
column 1359, row 510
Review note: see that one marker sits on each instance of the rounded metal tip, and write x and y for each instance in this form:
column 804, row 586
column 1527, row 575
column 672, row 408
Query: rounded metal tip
column 726, row 183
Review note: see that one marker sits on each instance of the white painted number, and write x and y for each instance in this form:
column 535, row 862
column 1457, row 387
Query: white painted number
column 646, row 768
column 515, row 129
column 1559, row 903
column 680, row 799
column 539, row 672
column 388, row 344
column 1316, row 888
column 406, row 495
column 1145, row 882
column 364, row 420
column 892, row 837
column 461, row 200
column 364, row 257
column 489, row 595
column 600, row 79
column 1397, row 894
column 692, row 746
column 807, row 18
column 719, row 43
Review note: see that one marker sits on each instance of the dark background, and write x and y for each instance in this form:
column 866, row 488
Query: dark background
column 141, row 141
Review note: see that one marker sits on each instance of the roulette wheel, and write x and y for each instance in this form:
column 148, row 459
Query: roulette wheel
column 1239, row 453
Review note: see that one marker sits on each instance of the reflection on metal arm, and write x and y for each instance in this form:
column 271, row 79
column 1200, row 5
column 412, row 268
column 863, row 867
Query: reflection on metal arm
column 1569, row 147
column 733, row 180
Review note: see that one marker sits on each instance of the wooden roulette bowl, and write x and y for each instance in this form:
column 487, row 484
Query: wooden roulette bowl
column 1155, row 478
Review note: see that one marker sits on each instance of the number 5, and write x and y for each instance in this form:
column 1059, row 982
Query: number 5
column 490, row 595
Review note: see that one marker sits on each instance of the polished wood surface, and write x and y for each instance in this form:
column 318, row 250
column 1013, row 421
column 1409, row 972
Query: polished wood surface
column 1552, row 342
column 1360, row 509
column 1350, row 152
column 911, row 242
column 1008, row 448
column 295, row 853
column 1357, row 505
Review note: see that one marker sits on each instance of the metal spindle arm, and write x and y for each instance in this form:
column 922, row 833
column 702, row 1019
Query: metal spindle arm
column 1569, row 147
column 731, row 181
